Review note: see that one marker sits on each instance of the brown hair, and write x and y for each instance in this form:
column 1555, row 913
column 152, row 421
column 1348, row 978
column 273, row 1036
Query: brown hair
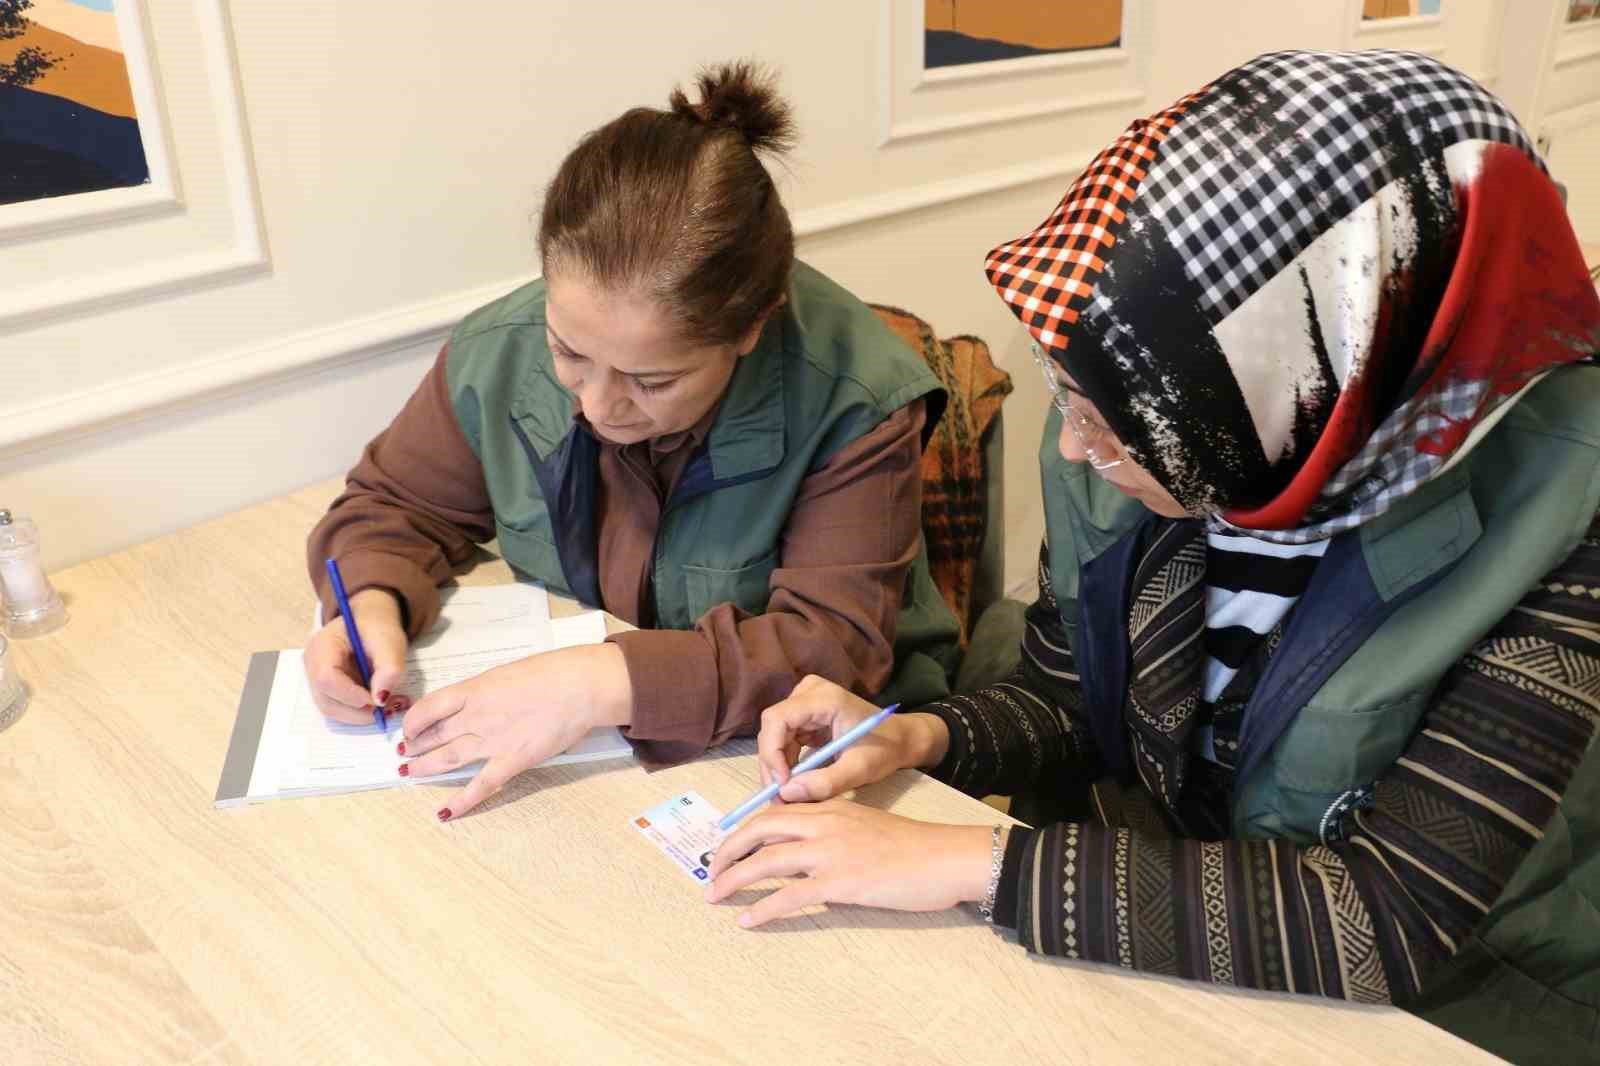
column 676, row 206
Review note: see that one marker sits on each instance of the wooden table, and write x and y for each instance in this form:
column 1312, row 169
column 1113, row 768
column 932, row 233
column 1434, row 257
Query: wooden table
column 140, row 925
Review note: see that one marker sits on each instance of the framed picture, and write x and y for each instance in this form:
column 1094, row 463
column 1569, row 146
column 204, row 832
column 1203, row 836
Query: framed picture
column 94, row 212
column 79, row 117
column 1399, row 9
column 982, row 31
column 951, row 65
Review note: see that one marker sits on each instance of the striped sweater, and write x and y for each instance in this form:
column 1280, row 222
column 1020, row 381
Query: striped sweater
column 1368, row 917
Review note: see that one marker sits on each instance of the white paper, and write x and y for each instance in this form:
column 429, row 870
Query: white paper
column 303, row 752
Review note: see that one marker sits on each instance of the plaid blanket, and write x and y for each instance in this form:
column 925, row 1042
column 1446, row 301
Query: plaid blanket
column 954, row 486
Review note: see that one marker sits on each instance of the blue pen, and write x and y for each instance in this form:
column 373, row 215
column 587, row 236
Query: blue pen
column 810, row 762
column 362, row 662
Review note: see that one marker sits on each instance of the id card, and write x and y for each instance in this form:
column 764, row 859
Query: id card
column 684, row 829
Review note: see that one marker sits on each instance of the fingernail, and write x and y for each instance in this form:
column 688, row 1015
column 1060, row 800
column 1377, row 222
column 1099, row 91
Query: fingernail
column 405, row 769
column 444, row 814
column 745, row 919
column 383, row 697
column 400, row 748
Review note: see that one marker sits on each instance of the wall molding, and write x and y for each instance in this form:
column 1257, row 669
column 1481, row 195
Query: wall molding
column 929, row 127
column 1010, row 68
column 815, row 221
column 1581, row 55
column 90, row 411
column 1587, row 28
column 1572, row 118
column 1494, row 54
column 1577, row 43
column 130, row 400
column 1404, row 24
column 245, row 255
column 90, row 210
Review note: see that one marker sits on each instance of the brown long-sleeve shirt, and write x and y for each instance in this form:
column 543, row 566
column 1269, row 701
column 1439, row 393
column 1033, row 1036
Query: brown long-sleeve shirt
column 416, row 503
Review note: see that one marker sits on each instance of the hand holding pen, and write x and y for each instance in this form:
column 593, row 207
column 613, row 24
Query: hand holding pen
column 815, row 761
column 816, row 712
column 338, row 685
column 837, row 851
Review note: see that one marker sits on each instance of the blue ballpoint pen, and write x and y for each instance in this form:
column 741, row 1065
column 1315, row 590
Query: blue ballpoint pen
column 810, row 762
column 362, row 662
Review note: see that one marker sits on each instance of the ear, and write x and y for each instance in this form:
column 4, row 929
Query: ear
column 747, row 343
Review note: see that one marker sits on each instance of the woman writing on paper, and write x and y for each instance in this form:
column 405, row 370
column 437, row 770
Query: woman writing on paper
column 679, row 423
column 1311, row 685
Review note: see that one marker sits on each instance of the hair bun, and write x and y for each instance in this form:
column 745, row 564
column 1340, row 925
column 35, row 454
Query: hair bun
column 743, row 97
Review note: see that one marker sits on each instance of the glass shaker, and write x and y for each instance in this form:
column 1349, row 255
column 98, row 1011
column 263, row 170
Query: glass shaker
column 12, row 695
column 32, row 606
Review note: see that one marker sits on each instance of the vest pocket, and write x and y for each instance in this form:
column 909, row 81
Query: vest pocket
column 748, row 587
column 1330, row 750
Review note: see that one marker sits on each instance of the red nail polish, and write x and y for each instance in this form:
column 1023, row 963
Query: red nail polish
column 400, row 748
column 383, row 697
column 444, row 814
column 405, row 769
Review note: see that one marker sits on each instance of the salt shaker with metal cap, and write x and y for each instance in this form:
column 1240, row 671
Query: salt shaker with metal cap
column 32, row 605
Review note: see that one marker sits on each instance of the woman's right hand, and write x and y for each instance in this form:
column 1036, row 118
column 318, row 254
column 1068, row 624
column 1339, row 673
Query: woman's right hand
column 819, row 710
column 331, row 663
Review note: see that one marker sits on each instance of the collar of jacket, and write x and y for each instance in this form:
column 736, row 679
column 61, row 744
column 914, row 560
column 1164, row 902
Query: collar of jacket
column 1366, row 575
column 746, row 440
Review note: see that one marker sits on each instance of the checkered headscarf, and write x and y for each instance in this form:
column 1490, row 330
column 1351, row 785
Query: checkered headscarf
column 1306, row 289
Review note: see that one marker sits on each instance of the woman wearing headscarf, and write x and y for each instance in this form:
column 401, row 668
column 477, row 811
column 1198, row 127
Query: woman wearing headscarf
column 1313, row 675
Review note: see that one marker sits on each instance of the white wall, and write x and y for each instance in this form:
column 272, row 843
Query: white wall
column 1569, row 122
column 349, row 178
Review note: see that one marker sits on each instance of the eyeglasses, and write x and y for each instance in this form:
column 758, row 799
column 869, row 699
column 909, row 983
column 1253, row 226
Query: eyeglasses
column 1099, row 444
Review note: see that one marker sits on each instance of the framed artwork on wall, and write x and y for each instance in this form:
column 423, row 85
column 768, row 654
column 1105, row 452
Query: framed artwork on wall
column 963, row 32
column 106, row 200
column 951, row 65
column 80, row 129
column 1411, row 25
column 1399, row 9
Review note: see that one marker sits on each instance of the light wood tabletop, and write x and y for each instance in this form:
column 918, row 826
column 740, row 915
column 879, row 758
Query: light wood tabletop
column 138, row 924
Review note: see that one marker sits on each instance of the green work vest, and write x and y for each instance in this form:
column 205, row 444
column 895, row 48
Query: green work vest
column 1451, row 561
column 825, row 372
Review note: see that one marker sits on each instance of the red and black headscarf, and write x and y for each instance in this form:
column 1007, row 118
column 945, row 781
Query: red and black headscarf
column 1308, row 288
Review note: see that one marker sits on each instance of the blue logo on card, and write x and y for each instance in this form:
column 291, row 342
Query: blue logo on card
column 700, row 873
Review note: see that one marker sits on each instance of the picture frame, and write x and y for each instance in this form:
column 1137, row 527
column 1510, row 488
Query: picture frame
column 917, row 101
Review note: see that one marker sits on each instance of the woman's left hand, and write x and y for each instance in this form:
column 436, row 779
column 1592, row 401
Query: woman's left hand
column 846, row 853
column 515, row 717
